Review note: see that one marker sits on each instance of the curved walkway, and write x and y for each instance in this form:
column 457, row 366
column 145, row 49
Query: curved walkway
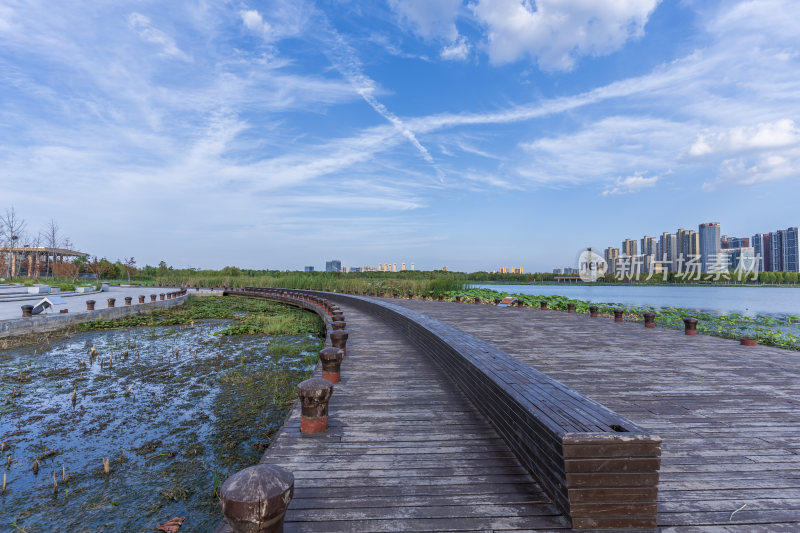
column 729, row 415
column 405, row 451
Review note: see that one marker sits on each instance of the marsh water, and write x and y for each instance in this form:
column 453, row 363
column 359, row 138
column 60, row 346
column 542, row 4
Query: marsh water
column 174, row 410
column 750, row 301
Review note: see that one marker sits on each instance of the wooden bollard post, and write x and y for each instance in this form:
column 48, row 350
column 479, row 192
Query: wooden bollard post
column 331, row 363
column 593, row 311
column 477, row 300
column 497, row 301
column 619, row 315
column 27, row 311
column 441, row 297
column 128, row 300
column 152, row 297
column 458, row 299
column 520, row 303
column 338, row 316
column 141, row 298
column 543, row 305
column 570, row 308
column 338, row 324
column 111, row 302
column 161, row 296
column 254, row 500
column 314, row 395
column 90, row 305
column 690, row 325
column 339, row 339
column 649, row 320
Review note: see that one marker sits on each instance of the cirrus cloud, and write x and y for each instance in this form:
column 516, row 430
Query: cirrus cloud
column 631, row 184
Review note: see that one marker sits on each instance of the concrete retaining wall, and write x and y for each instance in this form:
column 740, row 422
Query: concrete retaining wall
column 54, row 322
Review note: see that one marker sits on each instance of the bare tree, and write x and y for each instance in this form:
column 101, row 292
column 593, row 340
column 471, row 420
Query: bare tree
column 52, row 240
column 12, row 230
column 129, row 264
column 33, row 257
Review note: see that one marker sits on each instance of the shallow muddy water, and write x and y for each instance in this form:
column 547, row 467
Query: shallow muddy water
column 174, row 409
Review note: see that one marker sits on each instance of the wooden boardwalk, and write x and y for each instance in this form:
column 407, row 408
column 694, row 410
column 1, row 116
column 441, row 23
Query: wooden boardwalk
column 405, row 451
column 729, row 415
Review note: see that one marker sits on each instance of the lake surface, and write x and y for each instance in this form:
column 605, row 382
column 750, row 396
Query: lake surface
column 775, row 301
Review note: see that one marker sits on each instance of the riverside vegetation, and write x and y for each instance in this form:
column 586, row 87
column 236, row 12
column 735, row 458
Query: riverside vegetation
column 129, row 423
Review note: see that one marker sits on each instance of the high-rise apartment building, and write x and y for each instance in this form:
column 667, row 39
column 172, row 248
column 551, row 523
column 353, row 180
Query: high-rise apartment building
column 649, row 246
column 412, row 267
column 790, row 257
column 629, row 248
column 775, row 244
column 742, row 257
column 502, row 270
column 516, row 270
column 667, row 250
column 309, row 269
column 333, row 266
column 611, row 256
column 761, row 249
column 687, row 243
column 734, row 242
column 709, row 244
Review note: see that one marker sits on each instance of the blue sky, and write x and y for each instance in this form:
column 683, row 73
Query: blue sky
column 474, row 134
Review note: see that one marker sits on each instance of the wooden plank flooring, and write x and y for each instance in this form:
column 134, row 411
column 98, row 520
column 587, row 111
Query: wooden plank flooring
column 405, row 451
column 729, row 414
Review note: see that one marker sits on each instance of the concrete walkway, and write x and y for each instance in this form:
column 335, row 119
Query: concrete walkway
column 76, row 303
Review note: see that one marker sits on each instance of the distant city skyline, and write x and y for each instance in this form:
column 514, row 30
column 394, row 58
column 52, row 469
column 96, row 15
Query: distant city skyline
column 471, row 133
column 775, row 251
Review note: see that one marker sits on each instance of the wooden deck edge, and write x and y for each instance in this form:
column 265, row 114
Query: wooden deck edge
column 606, row 477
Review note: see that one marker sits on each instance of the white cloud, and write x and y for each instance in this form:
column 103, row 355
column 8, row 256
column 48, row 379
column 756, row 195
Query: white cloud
column 631, row 184
column 765, row 152
column 456, row 51
column 287, row 18
column 767, row 135
column 149, row 33
column 253, row 21
column 751, row 171
column 605, row 148
column 556, row 32
column 430, row 19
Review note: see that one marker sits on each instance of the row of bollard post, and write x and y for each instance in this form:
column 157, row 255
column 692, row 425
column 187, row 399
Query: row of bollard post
column 255, row 499
column 27, row 310
column 690, row 324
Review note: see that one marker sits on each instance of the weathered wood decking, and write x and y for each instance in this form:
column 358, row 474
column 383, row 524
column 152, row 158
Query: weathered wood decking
column 405, row 451
column 729, row 415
